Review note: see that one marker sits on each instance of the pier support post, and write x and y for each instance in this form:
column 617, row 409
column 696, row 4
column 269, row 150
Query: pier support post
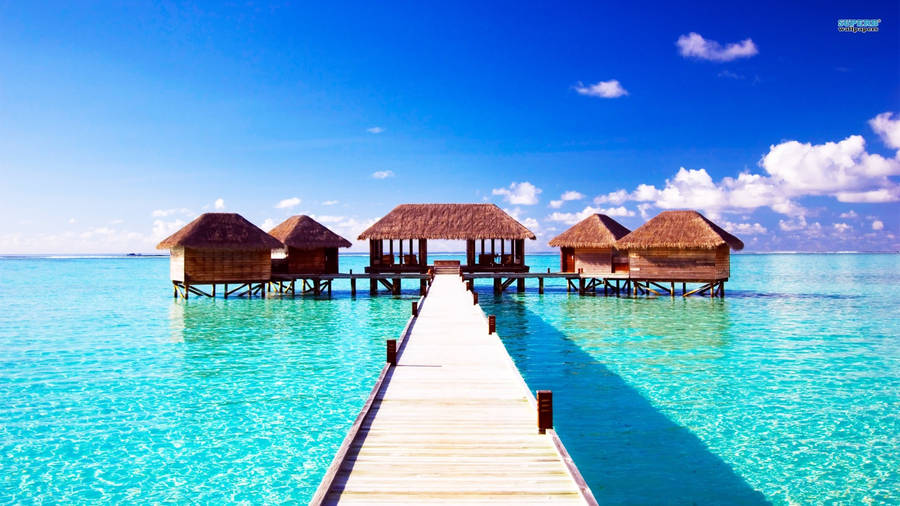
column 541, row 285
column 423, row 286
column 544, row 410
column 415, row 308
column 580, row 286
column 396, row 286
column 498, row 283
column 373, row 286
column 492, row 324
column 353, row 287
column 520, row 285
column 474, row 298
column 392, row 351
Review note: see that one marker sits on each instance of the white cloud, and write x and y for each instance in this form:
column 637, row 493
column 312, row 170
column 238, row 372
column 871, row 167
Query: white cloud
column 842, row 228
column 162, row 213
column 219, row 204
column 851, row 214
column 834, row 168
column 383, row 174
column 744, row 228
column 71, row 221
column 644, row 210
column 843, row 170
column 887, row 128
column 877, row 225
column 268, row 224
column 523, row 193
column 565, row 197
column 693, row 45
column 163, row 229
column 730, row 75
column 288, row 203
column 573, row 218
column 330, row 202
column 602, row 89
column 375, row 130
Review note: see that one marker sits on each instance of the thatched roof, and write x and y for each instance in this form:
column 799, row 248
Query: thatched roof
column 679, row 229
column 304, row 232
column 595, row 231
column 220, row 231
column 447, row 221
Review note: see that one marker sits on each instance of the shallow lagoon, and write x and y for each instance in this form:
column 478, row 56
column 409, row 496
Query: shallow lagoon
column 788, row 390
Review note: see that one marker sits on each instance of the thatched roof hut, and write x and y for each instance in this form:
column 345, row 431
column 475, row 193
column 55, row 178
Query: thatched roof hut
column 220, row 248
column 303, row 232
column 589, row 246
column 595, row 231
column 679, row 246
column 311, row 247
column 447, row 221
column 469, row 222
column 220, row 231
column 679, row 230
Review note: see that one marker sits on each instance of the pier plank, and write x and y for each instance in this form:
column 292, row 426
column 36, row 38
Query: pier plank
column 453, row 422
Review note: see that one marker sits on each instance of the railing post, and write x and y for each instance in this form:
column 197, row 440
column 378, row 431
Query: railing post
column 392, row 351
column 544, row 410
column 492, row 324
column 415, row 308
column 475, row 298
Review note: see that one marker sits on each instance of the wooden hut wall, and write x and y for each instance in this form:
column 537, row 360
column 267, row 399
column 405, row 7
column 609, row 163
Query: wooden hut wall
column 593, row 260
column 672, row 264
column 566, row 259
column 219, row 266
column 310, row 261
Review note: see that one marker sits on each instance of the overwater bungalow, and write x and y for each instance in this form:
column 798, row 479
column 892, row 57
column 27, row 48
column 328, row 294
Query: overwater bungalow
column 219, row 248
column 310, row 247
column 589, row 246
column 495, row 242
column 680, row 246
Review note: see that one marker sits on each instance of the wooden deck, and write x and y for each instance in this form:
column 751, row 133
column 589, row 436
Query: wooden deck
column 452, row 422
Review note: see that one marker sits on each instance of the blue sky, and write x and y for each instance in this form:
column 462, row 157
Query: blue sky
column 120, row 123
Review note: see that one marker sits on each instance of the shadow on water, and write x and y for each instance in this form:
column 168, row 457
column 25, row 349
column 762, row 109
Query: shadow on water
column 627, row 450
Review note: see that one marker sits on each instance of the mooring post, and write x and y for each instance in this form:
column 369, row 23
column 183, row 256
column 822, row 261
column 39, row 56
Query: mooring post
column 392, row 351
column 492, row 324
column 352, row 287
column 415, row 308
column 475, row 298
column 544, row 410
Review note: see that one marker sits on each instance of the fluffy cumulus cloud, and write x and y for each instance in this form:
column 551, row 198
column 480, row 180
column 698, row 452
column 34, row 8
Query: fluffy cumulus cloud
column 382, row 174
column 523, row 193
column 744, row 228
column 268, row 224
column 288, row 203
column 565, row 197
column 330, row 202
column 844, row 170
column 573, row 218
column 851, row 214
column 693, row 45
column 162, row 213
column 603, row 89
column 887, row 128
column 219, row 204
column 877, row 225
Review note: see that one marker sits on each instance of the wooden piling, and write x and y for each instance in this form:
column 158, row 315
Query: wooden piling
column 492, row 324
column 415, row 308
column 544, row 410
column 392, row 351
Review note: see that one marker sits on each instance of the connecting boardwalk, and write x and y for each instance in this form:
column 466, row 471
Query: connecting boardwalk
column 452, row 422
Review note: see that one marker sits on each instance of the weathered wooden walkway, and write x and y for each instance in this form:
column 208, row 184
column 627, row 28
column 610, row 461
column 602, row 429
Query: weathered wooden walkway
column 452, row 422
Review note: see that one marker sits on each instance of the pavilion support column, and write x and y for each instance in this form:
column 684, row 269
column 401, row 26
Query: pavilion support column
column 401, row 250
column 470, row 252
column 423, row 252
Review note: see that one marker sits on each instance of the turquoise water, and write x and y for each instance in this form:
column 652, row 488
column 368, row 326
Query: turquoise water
column 786, row 391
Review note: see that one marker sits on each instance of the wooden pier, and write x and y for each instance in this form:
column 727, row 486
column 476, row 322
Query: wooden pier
column 452, row 421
